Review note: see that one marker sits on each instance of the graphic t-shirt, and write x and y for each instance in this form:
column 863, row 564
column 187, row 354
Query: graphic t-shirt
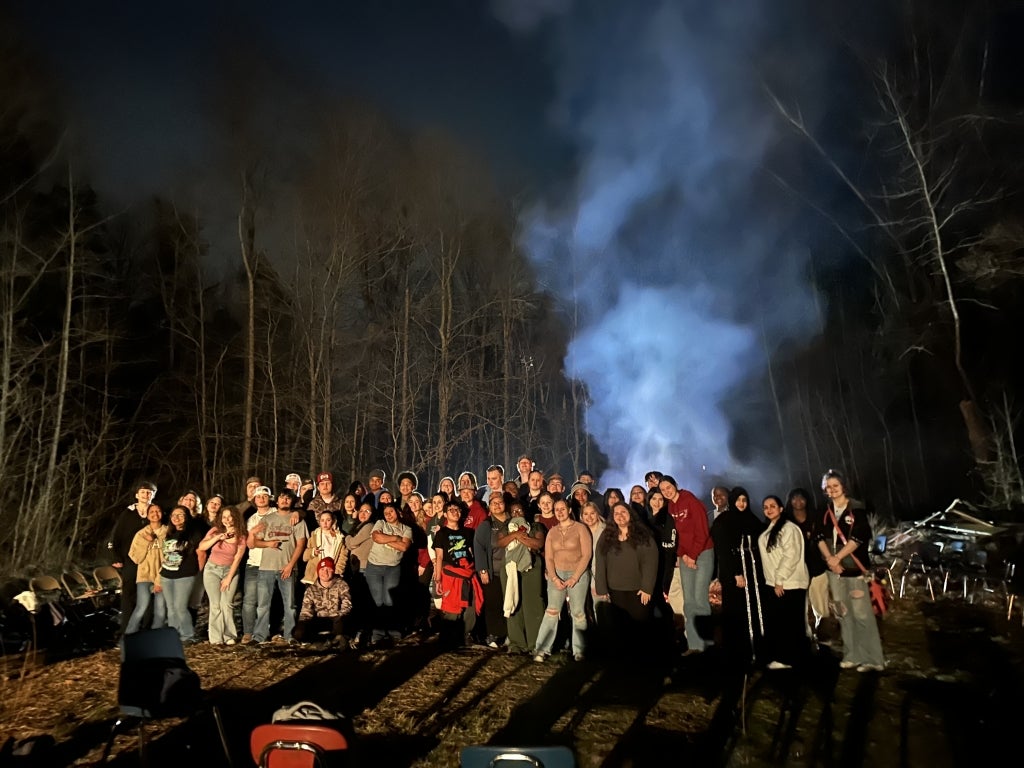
column 178, row 554
column 456, row 546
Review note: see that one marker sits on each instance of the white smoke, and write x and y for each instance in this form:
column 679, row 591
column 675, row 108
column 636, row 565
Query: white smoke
column 663, row 247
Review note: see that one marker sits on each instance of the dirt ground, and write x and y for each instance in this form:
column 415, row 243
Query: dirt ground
column 950, row 696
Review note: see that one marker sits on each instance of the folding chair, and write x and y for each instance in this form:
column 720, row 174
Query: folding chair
column 108, row 586
column 296, row 745
column 155, row 683
column 485, row 756
column 46, row 589
column 78, row 587
column 108, row 579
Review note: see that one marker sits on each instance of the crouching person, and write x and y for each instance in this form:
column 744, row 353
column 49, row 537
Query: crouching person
column 326, row 602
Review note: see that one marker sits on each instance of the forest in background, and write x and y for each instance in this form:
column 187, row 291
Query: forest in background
column 370, row 305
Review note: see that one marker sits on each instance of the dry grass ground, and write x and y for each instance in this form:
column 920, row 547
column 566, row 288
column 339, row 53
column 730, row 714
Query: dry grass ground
column 949, row 697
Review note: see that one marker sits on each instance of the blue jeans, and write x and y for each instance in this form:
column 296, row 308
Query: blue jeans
column 144, row 593
column 222, row 611
column 266, row 582
column 382, row 581
column 177, row 593
column 696, row 583
column 249, row 598
column 857, row 624
column 577, row 597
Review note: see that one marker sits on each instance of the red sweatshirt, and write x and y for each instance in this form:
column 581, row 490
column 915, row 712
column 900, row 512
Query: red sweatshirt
column 691, row 521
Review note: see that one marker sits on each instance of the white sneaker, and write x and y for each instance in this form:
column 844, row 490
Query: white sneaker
column 870, row 668
column 539, row 658
column 847, row 664
column 229, row 642
column 778, row 665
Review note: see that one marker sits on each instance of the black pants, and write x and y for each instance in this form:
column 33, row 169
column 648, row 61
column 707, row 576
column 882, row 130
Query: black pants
column 307, row 629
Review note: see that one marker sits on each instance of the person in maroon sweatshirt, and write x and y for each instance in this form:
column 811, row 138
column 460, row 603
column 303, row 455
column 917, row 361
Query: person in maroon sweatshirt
column 696, row 558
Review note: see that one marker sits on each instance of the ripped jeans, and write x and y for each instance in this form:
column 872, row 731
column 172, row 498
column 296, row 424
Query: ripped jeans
column 577, row 597
column 857, row 623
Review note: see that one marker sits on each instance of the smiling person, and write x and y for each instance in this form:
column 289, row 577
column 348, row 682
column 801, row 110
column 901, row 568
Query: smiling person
column 567, row 553
column 391, row 538
column 133, row 517
column 626, row 577
column 145, row 555
column 735, row 533
column 455, row 576
column 843, row 538
column 224, row 544
column 179, row 559
column 786, row 580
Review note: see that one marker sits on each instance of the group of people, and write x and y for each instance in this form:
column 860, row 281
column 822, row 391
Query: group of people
column 521, row 563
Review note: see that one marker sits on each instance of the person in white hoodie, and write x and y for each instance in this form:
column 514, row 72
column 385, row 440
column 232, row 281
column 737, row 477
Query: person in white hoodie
column 786, row 580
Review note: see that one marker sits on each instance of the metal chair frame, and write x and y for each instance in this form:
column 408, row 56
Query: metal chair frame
column 297, row 744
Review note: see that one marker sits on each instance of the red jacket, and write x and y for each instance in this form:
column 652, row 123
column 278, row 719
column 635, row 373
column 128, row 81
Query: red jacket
column 691, row 521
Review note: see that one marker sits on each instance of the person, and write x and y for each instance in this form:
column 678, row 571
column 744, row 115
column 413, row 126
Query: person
column 391, row 538
column 653, row 479
column 638, row 501
column 407, row 483
column 591, row 517
column 282, row 543
column 447, row 487
column 248, row 506
column 612, row 496
column 144, row 553
column 556, row 485
column 213, row 508
column 359, row 543
column 525, row 466
column 719, row 503
column 347, row 517
column 799, row 507
column 734, row 534
column 198, row 521
column 567, row 552
column 455, row 576
column 179, row 569
column 530, row 493
column 325, row 604
column 375, row 485
column 131, row 519
column 475, row 511
column 325, row 541
column 495, row 479
column 696, row 557
column 521, row 578
column 668, row 596
column 251, row 575
column 843, row 537
column 579, row 494
column 781, row 546
column 490, row 560
column 325, row 500
column 546, row 511
column 626, row 576
column 224, row 544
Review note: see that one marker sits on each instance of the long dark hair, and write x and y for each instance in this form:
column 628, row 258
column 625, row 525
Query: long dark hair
column 773, row 531
column 638, row 534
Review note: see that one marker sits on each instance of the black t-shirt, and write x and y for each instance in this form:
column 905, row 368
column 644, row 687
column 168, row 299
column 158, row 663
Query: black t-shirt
column 180, row 556
column 457, row 546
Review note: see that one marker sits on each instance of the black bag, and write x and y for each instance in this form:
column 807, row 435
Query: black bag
column 161, row 687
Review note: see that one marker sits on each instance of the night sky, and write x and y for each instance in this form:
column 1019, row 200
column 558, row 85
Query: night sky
column 637, row 136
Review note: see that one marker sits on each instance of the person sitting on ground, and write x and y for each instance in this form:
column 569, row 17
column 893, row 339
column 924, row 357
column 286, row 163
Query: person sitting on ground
column 324, row 606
